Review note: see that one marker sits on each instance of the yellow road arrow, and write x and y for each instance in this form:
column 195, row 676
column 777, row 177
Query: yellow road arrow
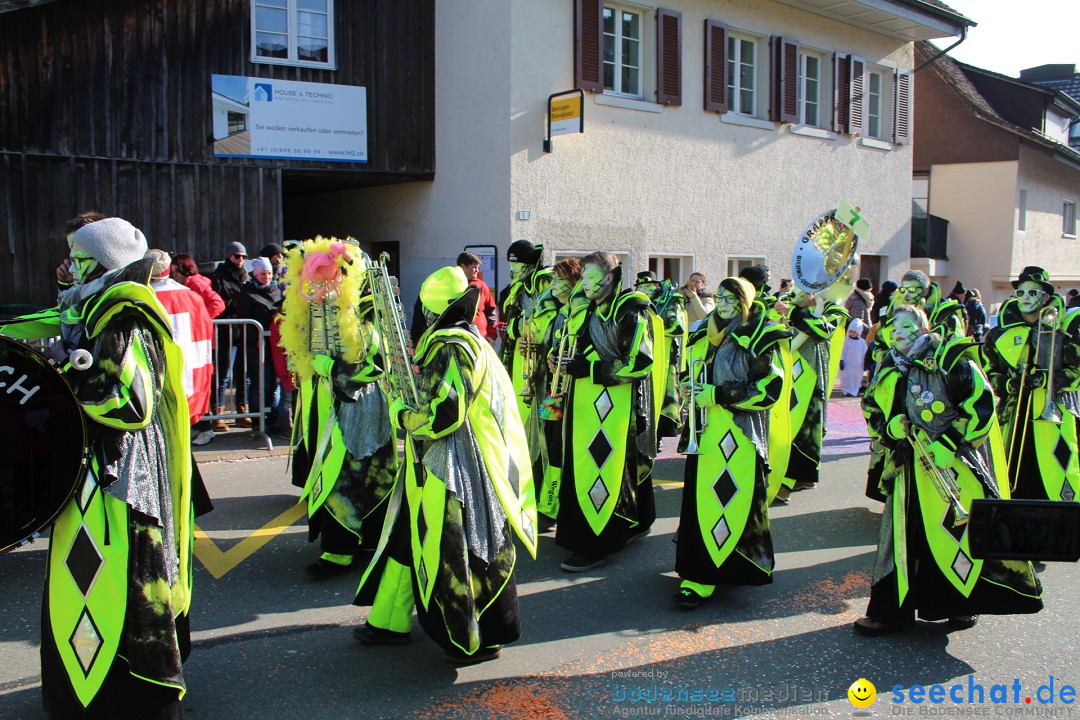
column 219, row 563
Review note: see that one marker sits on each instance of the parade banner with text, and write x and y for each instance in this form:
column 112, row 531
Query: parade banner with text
column 262, row 117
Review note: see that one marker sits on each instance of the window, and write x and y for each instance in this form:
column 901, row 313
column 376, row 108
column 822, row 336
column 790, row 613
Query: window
column 741, row 70
column 1021, row 211
column 237, row 122
column 920, row 196
column 666, row 267
column 810, row 86
column 293, row 32
column 873, row 106
column 1068, row 218
column 736, row 265
column 622, row 51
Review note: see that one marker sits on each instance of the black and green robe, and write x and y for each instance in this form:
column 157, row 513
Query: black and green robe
column 672, row 311
column 609, row 427
column 1043, row 455
column 517, row 310
column 924, row 563
column 724, row 535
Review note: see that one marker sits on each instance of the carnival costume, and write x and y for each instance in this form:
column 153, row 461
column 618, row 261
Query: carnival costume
column 670, row 306
column 609, row 427
column 346, row 455
column 924, row 563
column 1042, row 454
column 465, row 490
column 517, row 308
column 118, row 579
column 724, row 535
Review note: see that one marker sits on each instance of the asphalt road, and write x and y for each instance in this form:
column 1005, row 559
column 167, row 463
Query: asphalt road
column 270, row 643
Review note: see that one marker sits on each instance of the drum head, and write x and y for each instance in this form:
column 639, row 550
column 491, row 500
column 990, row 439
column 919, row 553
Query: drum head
column 43, row 440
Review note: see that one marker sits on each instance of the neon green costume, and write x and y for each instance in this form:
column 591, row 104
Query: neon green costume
column 517, row 309
column 465, row 489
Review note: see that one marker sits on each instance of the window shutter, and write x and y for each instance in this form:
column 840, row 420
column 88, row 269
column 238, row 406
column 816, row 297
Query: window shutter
column 841, row 93
column 902, row 108
column 589, row 45
column 785, row 87
column 716, row 99
column 668, row 57
column 857, row 95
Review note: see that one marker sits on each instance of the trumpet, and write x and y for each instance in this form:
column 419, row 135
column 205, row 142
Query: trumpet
column 551, row 407
column 528, row 364
column 944, row 480
column 696, row 416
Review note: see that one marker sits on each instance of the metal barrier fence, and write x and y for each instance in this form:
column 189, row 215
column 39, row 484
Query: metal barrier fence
column 240, row 328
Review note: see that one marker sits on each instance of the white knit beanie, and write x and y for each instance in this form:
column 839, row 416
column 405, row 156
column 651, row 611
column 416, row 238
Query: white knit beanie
column 113, row 242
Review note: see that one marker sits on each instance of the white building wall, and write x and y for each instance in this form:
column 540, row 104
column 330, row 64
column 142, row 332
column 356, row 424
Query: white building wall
column 681, row 180
column 1049, row 183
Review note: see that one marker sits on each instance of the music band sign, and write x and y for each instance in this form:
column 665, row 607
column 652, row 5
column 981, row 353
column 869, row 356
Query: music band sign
column 268, row 118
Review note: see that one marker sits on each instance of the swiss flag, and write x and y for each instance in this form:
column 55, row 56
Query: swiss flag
column 193, row 331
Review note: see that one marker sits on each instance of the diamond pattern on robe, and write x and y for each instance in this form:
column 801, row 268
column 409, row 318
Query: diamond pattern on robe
column 729, row 445
column 947, row 522
column 962, row 566
column 599, row 494
column 86, row 493
column 423, row 576
column 86, row 641
column 316, row 489
column 721, row 532
column 600, row 448
column 1062, row 453
column 797, row 369
column 603, row 405
column 725, row 488
column 1067, row 493
column 84, row 561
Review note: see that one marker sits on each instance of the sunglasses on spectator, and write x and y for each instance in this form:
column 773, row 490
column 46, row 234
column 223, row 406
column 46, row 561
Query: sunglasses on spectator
column 1030, row 293
column 239, row 256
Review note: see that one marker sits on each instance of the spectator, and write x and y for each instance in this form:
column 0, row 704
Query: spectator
column 860, row 302
column 699, row 301
column 228, row 281
column 882, row 300
column 186, row 272
column 1074, row 298
column 976, row 315
column 485, row 311
column 276, row 255
column 260, row 301
column 852, row 357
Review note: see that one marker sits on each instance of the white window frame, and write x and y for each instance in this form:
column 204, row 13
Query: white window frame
column 734, row 79
column 1068, row 218
column 292, row 10
column 804, row 96
column 1021, row 210
column 874, row 104
column 684, row 260
column 642, row 15
column 738, row 263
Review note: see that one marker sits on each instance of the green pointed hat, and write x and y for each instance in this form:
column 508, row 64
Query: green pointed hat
column 442, row 287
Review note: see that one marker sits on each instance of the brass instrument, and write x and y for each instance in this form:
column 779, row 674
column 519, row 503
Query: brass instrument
column 551, row 408
column 394, row 336
column 696, row 416
column 944, row 480
column 1049, row 316
column 527, row 347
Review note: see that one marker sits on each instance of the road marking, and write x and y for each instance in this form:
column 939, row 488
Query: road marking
column 219, row 563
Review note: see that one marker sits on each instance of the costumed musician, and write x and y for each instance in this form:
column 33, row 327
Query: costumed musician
column 528, row 281
column 670, row 306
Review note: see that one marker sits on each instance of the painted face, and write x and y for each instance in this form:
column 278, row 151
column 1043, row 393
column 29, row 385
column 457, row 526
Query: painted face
column 911, row 292
column 517, row 270
column 727, row 304
column 560, row 287
column 82, row 266
column 1030, row 296
column 594, row 281
column 649, row 288
column 905, row 332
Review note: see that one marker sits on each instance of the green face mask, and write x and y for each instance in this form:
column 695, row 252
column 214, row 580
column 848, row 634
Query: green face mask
column 593, row 281
column 1030, row 296
column 905, row 332
column 82, row 267
column 560, row 287
column 517, row 270
column 727, row 305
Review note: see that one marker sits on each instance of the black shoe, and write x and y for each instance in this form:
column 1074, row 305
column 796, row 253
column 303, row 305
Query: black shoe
column 803, row 485
column 872, row 628
column 371, row 635
column 963, row 622
column 545, row 523
column 322, row 569
column 580, row 563
column 687, row 599
column 482, row 655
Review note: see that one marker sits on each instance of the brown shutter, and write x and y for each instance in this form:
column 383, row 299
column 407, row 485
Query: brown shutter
column 785, row 86
column 716, row 98
column 841, row 92
column 668, row 57
column 589, row 45
column 902, row 108
column 857, row 95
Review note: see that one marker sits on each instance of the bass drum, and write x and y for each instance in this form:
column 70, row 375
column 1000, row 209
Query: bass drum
column 43, row 439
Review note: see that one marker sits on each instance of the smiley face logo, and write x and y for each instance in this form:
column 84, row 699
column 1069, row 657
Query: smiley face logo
column 862, row 693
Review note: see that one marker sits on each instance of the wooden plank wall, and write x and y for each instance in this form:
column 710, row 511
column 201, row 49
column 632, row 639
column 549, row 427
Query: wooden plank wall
column 105, row 105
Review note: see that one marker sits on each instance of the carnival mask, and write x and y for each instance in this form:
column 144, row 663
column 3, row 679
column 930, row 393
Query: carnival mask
column 727, row 305
column 649, row 289
column 911, row 292
column 82, row 266
column 594, row 281
column 905, row 332
column 1030, row 297
column 560, row 288
column 518, row 271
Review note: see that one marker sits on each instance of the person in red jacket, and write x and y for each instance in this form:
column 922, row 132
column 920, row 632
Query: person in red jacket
column 485, row 309
column 186, row 272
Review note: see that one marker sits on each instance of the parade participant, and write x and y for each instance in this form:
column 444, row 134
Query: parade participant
column 735, row 378
column 345, row 457
column 669, row 305
column 933, row 409
column 544, row 426
column 447, row 545
column 1036, row 333
column 64, row 278
column 609, row 427
column 851, row 359
column 114, row 639
column 528, row 280
column 815, row 364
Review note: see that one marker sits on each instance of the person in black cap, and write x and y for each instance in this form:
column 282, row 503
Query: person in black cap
column 528, row 281
column 228, row 281
column 1074, row 298
column 276, row 255
column 1033, row 351
column 670, row 306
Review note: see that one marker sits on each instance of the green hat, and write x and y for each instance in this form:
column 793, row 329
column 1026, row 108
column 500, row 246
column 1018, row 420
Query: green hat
column 442, row 287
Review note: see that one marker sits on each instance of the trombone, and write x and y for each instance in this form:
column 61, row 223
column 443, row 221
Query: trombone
column 944, row 480
column 696, row 416
column 1050, row 413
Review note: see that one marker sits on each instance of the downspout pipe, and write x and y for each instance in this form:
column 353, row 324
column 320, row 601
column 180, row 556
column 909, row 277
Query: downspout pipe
column 963, row 37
